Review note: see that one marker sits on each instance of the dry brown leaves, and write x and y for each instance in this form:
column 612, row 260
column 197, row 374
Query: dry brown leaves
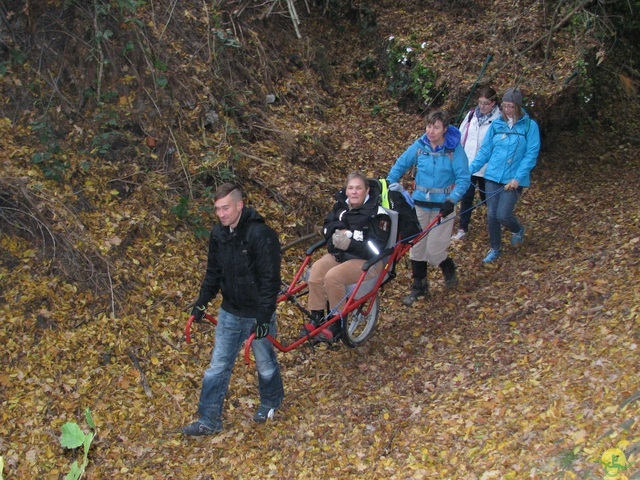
column 528, row 369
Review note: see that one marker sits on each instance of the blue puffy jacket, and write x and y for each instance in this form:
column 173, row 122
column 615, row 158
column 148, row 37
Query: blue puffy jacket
column 441, row 173
column 510, row 152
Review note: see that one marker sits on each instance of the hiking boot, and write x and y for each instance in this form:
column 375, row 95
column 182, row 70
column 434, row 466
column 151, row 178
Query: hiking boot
column 449, row 272
column 491, row 256
column 418, row 289
column 331, row 333
column 458, row 236
column 263, row 414
column 517, row 237
column 306, row 329
column 199, row 429
column 316, row 318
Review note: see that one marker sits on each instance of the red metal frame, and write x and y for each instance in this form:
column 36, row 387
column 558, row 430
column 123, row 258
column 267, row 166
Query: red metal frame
column 296, row 286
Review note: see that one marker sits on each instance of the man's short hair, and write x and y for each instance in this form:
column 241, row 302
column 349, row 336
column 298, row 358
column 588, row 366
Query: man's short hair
column 228, row 188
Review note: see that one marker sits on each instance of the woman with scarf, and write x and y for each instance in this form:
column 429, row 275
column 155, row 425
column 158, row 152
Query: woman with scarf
column 473, row 129
column 442, row 178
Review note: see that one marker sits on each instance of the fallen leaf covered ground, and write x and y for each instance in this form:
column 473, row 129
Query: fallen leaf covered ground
column 527, row 369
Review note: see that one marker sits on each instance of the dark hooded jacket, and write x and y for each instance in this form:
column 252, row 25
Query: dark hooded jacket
column 369, row 224
column 244, row 264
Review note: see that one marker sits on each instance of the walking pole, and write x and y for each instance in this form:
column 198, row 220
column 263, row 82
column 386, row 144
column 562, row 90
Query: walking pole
column 473, row 89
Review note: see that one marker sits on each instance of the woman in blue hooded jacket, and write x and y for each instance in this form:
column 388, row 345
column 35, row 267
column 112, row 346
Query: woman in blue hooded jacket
column 510, row 151
column 442, row 178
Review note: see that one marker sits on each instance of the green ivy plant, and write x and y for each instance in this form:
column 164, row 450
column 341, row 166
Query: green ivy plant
column 199, row 216
column 73, row 437
column 51, row 161
column 406, row 71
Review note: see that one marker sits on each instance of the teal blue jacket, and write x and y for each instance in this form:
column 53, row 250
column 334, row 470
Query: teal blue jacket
column 444, row 170
column 510, row 152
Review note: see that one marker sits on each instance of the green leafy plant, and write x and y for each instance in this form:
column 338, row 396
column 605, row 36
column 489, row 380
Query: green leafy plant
column 73, row 437
column 160, row 67
column 227, row 38
column 367, row 68
column 566, row 459
column 407, row 74
column 183, row 212
column 101, row 143
column 50, row 162
column 130, row 6
column 199, row 215
column 423, row 82
column 16, row 57
column 585, row 84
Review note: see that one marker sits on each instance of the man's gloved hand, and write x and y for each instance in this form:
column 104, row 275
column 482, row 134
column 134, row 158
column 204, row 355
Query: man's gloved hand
column 447, row 208
column 341, row 239
column 198, row 312
column 261, row 329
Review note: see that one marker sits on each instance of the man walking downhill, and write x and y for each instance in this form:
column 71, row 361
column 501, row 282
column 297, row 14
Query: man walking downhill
column 244, row 265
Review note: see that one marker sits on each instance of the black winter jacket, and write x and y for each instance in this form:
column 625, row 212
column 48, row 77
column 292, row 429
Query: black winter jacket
column 368, row 223
column 245, row 266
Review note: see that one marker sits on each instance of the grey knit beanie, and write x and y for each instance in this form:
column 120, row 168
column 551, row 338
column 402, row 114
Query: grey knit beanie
column 513, row 95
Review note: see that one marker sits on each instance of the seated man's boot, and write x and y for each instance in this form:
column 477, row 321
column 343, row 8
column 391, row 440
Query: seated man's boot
column 420, row 285
column 331, row 333
column 316, row 318
column 449, row 272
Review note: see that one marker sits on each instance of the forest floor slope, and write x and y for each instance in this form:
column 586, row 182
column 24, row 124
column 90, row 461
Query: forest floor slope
column 527, row 369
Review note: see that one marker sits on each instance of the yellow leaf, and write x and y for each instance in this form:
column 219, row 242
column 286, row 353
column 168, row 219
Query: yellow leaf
column 579, row 436
column 623, row 444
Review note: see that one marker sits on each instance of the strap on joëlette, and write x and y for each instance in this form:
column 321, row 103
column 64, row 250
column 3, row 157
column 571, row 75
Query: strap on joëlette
column 446, row 190
column 430, row 205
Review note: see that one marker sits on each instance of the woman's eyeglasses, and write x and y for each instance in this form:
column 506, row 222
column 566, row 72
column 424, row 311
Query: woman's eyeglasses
column 484, row 103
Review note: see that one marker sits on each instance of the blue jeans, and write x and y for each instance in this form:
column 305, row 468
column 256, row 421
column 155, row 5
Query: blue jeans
column 231, row 333
column 500, row 208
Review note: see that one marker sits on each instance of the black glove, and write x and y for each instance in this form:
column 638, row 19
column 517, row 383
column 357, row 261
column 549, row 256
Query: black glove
column 261, row 329
column 447, row 208
column 198, row 312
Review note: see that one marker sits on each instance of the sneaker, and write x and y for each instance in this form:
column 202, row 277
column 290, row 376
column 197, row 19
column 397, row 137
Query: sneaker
column 491, row 256
column 458, row 236
column 263, row 414
column 198, row 429
column 517, row 238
